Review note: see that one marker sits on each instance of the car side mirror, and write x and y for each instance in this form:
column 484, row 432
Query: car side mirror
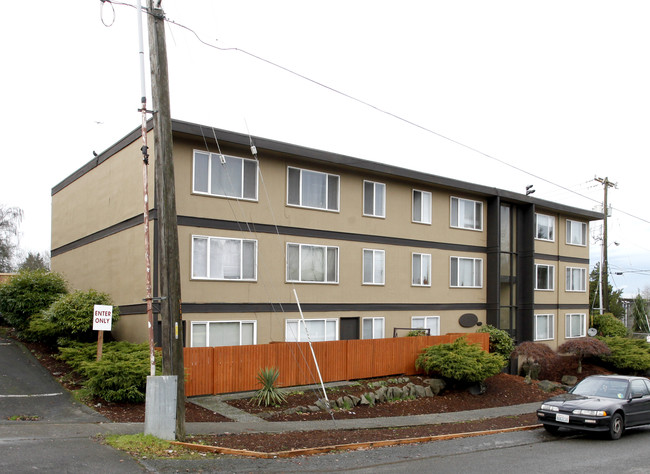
column 636, row 395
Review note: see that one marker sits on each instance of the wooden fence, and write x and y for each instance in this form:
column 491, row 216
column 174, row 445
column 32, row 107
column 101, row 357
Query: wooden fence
column 214, row 370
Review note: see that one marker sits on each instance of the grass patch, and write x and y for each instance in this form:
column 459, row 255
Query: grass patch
column 24, row 418
column 148, row 446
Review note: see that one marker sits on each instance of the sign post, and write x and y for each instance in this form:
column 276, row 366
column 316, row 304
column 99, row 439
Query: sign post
column 102, row 321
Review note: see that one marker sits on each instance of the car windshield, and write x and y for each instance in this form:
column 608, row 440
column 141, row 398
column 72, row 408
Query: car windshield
column 601, row 387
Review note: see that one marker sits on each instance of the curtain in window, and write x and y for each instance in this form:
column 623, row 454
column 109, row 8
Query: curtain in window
column 225, row 259
column 380, row 263
column 247, row 334
column 312, row 263
column 465, row 272
column 314, row 189
column 200, row 258
column 417, row 206
column 199, row 333
column 368, row 266
column 332, row 264
column 201, row 176
column 542, row 327
column 250, row 179
column 224, row 334
column 226, row 177
column 293, row 262
column 248, row 260
column 380, row 191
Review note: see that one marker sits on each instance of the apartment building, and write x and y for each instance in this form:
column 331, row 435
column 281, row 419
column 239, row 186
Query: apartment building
column 367, row 248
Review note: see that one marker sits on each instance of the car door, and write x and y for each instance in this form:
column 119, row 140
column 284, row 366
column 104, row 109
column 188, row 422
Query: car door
column 638, row 412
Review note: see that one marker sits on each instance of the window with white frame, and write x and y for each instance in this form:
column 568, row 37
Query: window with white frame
column 421, row 269
column 427, row 322
column 217, row 258
column 545, row 227
column 374, row 263
column 544, row 327
column 312, row 189
column 223, row 333
column 576, row 233
column 312, row 263
column 372, row 328
column 421, row 206
column 224, row 175
column 319, row 330
column 374, row 199
column 466, row 272
column 576, row 325
column 466, row 214
column 576, row 279
column 544, row 277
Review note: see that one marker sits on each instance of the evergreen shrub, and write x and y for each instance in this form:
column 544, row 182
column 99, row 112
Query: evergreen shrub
column 627, row 355
column 609, row 325
column 500, row 341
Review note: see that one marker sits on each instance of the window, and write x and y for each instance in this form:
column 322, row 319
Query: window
column 466, row 214
column 576, row 233
column 374, row 262
column 575, row 325
column 223, row 175
column 216, row 258
column 422, row 207
column 545, row 227
column 544, row 277
column 466, row 272
column 421, row 269
column 430, row 322
column 312, row 189
column 544, row 327
column 639, row 387
column 223, row 333
column 576, row 279
column 312, row 263
column 319, row 330
column 372, row 328
column 374, row 199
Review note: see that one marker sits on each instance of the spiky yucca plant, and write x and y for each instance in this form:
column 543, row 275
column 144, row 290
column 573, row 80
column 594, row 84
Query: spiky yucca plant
column 269, row 394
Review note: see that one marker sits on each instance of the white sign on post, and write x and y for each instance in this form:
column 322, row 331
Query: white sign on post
column 102, row 317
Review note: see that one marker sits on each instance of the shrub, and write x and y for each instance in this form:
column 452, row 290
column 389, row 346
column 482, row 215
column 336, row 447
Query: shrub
column 533, row 353
column 460, row 361
column 627, row 355
column 28, row 293
column 121, row 374
column 500, row 341
column 269, row 394
column 70, row 316
column 416, row 333
column 609, row 325
column 584, row 347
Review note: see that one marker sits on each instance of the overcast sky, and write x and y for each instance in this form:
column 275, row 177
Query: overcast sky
column 559, row 89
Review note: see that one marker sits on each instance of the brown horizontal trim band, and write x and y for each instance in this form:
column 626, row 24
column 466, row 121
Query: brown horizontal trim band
column 584, row 307
column 197, row 308
column 323, row 234
column 100, row 234
column 561, row 258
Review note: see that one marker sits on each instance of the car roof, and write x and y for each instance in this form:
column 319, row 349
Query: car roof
column 618, row 377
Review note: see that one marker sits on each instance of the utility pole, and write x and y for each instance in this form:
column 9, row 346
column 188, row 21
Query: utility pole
column 604, row 301
column 165, row 199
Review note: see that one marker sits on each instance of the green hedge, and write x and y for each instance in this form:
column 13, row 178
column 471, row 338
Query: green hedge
column 628, row 355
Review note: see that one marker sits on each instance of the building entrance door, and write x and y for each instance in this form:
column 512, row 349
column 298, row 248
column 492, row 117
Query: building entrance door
column 349, row 329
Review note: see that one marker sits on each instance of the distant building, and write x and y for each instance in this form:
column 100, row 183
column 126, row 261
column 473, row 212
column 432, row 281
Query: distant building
column 5, row 277
column 368, row 247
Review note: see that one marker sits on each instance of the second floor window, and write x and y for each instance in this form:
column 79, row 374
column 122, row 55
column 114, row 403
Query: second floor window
column 374, row 262
column 374, row 199
column 216, row 258
column 576, row 279
column 312, row 189
column 466, row 214
column 466, row 272
column 544, row 277
column 421, row 206
column 224, row 175
column 544, row 227
column 312, row 263
column 576, row 233
column 421, row 269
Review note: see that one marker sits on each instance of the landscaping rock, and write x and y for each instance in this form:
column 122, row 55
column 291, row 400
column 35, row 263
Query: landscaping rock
column 313, row 408
column 547, row 385
column 478, row 388
column 380, row 394
column 322, row 405
column 420, row 391
column 569, row 380
column 437, row 385
column 428, row 392
column 348, row 402
column 355, row 400
column 394, row 393
column 365, row 399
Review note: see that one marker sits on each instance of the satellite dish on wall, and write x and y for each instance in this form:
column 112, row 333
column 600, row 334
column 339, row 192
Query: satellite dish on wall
column 468, row 320
column 592, row 331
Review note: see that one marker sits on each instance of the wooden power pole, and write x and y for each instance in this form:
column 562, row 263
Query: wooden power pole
column 165, row 199
column 604, row 276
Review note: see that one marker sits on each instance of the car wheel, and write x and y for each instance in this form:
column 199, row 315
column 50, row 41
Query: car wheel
column 616, row 426
column 551, row 429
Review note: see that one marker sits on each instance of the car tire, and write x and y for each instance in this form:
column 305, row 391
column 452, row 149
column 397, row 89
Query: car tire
column 616, row 426
column 551, row 428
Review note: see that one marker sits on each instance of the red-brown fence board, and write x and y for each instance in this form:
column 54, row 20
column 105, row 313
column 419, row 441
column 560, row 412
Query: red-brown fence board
column 214, row 370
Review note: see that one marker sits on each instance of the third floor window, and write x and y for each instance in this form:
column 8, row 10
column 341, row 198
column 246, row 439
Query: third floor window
column 312, row 189
column 224, row 175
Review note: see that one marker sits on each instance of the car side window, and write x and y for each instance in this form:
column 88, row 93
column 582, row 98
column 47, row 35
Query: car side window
column 647, row 384
column 639, row 387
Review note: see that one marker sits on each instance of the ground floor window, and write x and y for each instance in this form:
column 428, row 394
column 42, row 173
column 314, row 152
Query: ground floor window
column 319, row 330
column 373, row 328
column 544, row 327
column 576, row 325
column 427, row 322
column 223, row 333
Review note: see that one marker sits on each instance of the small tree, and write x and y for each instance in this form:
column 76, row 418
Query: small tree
column 27, row 294
column 584, row 347
column 10, row 218
column 609, row 325
column 500, row 341
column 533, row 352
column 460, row 361
column 640, row 315
column 35, row 261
